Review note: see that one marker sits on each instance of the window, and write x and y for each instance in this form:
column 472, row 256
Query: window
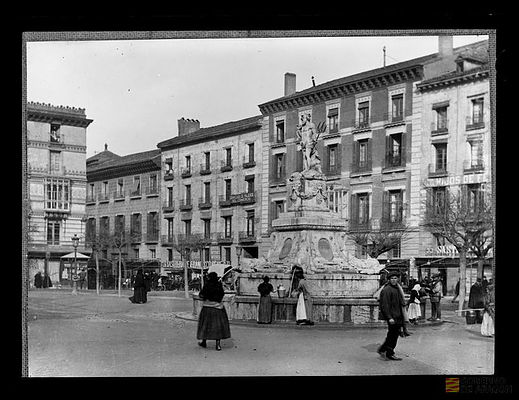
column 55, row 136
column 474, row 196
column 441, row 118
column 250, row 184
column 90, row 195
column 279, row 207
column 153, row 183
column 439, row 196
column 396, row 251
column 153, row 253
column 397, row 107
column 332, row 157
column 393, row 206
column 363, row 114
column 475, row 154
column 170, row 197
column 53, row 228
column 227, row 189
column 90, row 229
column 441, row 157
column 187, row 192
column 279, row 166
column 228, row 157
column 280, row 131
column 55, row 162
column 363, row 208
column 187, row 227
column 136, row 190
column 337, row 201
column 250, row 223
column 333, row 120
column 170, row 229
column 120, row 188
column 188, row 164
column 170, row 254
column 227, row 226
column 251, row 152
column 153, row 226
column 57, row 194
column 394, row 152
column 168, row 165
column 227, row 254
column 104, row 190
column 207, row 192
column 477, row 111
column 104, row 226
column 135, row 227
column 136, row 252
column 361, row 155
column 207, row 159
column 207, row 228
column 119, row 224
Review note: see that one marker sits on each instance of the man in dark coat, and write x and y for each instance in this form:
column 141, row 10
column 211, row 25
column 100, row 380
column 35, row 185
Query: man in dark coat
column 38, row 280
column 391, row 303
column 139, row 289
column 476, row 298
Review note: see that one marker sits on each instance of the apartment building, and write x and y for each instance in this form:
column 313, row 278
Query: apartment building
column 211, row 188
column 56, row 187
column 123, row 197
column 451, row 152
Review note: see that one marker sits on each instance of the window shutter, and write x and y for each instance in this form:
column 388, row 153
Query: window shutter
column 354, row 209
column 402, row 150
column 386, row 207
column 326, row 159
column 388, row 150
column 355, row 156
column 368, row 151
column 338, row 157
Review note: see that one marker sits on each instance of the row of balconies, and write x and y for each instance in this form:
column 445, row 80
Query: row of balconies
column 119, row 196
column 213, row 238
column 205, row 169
column 442, row 127
column 469, row 166
column 204, row 203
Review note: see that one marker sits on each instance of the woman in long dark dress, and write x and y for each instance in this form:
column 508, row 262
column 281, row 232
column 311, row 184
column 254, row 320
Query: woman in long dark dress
column 213, row 323
column 139, row 289
column 265, row 302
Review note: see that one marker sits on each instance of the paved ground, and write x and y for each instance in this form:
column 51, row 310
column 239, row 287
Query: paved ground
column 107, row 336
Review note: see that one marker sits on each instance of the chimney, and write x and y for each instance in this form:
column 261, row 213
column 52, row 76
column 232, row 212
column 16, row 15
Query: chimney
column 186, row 126
column 445, row 46
column 290, row 83
column 106, row 147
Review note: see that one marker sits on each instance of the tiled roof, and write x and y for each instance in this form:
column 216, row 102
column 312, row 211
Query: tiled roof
column 118, row 161
column 454, row 75
column 218, row 130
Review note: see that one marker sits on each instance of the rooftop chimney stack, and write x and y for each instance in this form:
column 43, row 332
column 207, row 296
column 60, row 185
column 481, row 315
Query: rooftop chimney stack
column 290, row 83
column 445, row 46
column 106, row 147
column 187, row 126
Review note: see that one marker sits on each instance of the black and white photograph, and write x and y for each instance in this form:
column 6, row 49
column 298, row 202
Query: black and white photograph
column 260, row 204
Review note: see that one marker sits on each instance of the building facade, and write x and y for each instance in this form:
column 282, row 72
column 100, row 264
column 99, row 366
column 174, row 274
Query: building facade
column 451, row 154
column 211, row 188
column 123, row 209
column 56, row 180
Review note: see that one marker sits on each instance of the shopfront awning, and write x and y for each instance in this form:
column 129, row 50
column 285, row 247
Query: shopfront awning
column 77, row 256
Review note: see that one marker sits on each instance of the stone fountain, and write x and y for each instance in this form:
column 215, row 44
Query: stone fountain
column 312, row 237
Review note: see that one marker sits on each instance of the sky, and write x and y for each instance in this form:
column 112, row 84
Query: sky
column 136, row 90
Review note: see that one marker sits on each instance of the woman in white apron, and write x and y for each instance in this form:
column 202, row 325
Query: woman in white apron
column 304, row 302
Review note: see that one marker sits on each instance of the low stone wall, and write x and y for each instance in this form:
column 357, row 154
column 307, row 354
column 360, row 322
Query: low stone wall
column 348, row 311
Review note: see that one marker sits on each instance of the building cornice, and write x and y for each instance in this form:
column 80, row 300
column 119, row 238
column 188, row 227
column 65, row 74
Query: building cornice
column 118, row 171
column 452, row 80
column 64, row 115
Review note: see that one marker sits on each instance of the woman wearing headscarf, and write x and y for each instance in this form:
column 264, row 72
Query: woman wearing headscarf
column 414, row 311
column 265, row 302
column 139, row 289
column 213, row 323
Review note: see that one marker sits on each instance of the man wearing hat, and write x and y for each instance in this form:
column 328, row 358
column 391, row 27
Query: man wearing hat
column 391, row 303
column 436, row 295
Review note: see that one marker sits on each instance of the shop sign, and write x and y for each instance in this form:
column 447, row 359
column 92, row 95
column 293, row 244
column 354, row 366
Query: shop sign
column 449, row 251
column 456, row 180
column 242, row 198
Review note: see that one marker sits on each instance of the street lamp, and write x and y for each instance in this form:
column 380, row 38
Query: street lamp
column 75, row 243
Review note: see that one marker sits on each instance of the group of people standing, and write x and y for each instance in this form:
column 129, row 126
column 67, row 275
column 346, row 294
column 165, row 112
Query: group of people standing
column 482, row 300
column 42, row 281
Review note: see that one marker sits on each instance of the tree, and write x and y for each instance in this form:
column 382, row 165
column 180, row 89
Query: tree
column 462, row 217
column 381, row 240
column 120, row 240
column 96, row 243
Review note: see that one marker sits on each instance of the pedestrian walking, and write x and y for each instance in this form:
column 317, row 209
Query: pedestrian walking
column 304, row 299
column 424, row 295
column 414, row 312
column 487, row 325
column 436, row 295
column 139, row 289
column 213, row 323
column 265, row 302
column 38, row 280
column 391, row 303
column 476, row 299
column 82, row 278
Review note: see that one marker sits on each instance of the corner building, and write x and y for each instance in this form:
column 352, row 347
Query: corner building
column 365, row 150
column 211, row 187
column 56, row 180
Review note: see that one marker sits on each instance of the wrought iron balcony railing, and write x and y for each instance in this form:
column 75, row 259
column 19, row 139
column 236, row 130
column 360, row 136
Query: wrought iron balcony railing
column 391, row 118
column 246, row 236
column 168, row 206
column 437, row 171
column 361, row 124
column 205, row 169
column 475, row 122
column 357, row 225
column 204, row 203
column 186, row 172
column 226, row 166
column 185, row 205
column 224, row 237
column 439, row 127
column 169, row 175
column 248, row 163
column 361, row 167
column 473, row 165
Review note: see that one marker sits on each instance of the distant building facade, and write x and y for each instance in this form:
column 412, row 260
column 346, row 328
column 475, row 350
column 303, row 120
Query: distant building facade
column 211, row 188
column 56, row 181
column 123, row 196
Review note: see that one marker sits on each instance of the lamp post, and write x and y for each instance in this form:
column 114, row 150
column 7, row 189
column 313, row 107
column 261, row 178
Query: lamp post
column 75, row 243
